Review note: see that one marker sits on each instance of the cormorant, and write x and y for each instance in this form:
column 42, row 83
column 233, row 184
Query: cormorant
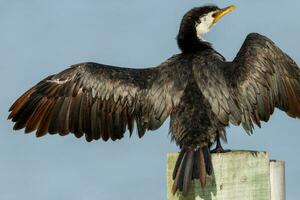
column 198, row 89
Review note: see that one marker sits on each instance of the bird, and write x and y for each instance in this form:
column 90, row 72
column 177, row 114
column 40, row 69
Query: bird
column 198, row 89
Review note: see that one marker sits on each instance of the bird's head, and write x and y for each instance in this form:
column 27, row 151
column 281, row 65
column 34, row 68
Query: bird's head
column 195, row 23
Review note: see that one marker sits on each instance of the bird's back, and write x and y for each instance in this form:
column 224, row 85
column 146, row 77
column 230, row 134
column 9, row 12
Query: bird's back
column 193, row 121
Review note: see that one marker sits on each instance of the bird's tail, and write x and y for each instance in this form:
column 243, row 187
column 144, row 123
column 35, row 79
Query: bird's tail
column 191, row 164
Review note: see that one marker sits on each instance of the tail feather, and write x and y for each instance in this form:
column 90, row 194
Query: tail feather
column 178, row 162
column 187, row 179
column 178, row 180
column 202, row 168
column 196, row 166
column 207, row 159
column 191, row 164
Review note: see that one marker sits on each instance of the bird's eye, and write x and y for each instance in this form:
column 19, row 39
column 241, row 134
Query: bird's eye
column 214, row 15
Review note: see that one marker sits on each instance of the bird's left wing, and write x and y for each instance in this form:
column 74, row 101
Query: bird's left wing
column 98, row 101
column 247, row 90
column 264, row 77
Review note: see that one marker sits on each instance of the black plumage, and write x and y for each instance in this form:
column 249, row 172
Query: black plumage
column 198, row 89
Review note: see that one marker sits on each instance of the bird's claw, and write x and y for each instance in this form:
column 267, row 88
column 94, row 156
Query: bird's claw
column 220, row 150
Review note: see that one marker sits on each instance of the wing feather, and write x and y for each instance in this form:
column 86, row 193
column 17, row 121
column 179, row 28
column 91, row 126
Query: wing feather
column 247, row 90
column 98, row 101
column 266, row 78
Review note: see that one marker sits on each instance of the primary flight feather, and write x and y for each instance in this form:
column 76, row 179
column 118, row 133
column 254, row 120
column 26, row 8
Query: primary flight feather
column 198, row 89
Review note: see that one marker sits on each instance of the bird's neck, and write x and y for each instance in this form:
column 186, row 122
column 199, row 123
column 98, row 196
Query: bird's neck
column 189, row 43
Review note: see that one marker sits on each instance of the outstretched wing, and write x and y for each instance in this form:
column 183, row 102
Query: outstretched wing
column 98, row 101
column 246, row 90
column 264, row 78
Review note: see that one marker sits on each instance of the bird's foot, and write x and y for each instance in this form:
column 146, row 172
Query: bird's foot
column 220, row 150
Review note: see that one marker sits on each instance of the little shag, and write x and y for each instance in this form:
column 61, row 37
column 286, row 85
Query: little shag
column 200, row 91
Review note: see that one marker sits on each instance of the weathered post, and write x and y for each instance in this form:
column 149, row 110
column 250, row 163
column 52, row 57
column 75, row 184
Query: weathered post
column 238, row 175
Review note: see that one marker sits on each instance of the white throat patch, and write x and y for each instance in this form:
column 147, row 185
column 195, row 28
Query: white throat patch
column 206, row 23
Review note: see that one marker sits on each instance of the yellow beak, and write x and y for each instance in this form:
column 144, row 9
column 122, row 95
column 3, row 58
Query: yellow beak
column 218, row 15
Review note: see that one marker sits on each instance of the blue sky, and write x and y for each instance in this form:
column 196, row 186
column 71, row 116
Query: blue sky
column 39, row 38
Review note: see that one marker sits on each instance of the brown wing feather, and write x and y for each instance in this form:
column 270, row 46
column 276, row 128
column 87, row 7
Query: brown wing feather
column 97, row 101
column 265, row 78
column 247, row 90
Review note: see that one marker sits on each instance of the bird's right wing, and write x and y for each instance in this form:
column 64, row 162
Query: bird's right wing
column 99, row 101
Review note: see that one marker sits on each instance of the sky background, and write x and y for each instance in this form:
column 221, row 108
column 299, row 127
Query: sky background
column 38, row 38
